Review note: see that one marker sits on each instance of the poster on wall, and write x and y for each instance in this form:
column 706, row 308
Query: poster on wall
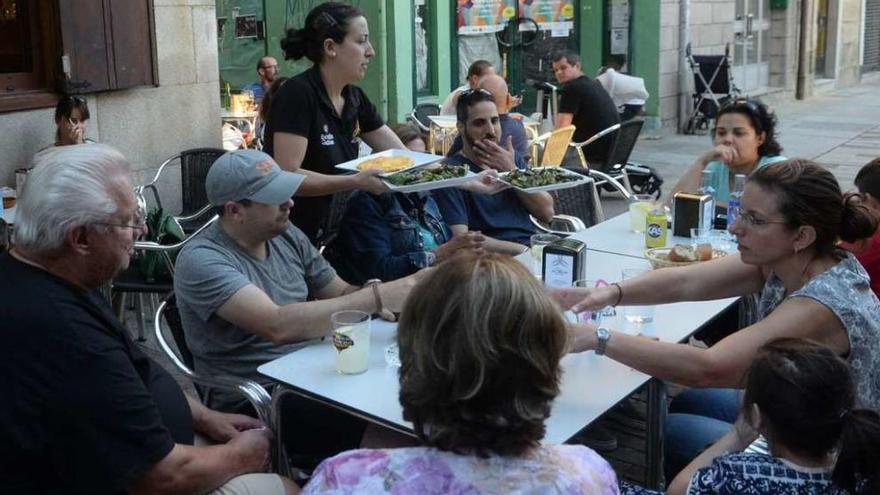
column 551, row 15
column 484, row 16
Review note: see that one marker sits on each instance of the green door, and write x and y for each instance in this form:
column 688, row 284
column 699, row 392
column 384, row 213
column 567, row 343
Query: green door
column 241, row 40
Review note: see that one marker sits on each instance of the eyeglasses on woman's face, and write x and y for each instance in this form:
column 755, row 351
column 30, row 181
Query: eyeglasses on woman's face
column 752, row 220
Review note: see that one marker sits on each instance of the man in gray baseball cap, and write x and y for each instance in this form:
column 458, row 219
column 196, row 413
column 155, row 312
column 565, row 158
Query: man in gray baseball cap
column 252, row 286
column 251, row 175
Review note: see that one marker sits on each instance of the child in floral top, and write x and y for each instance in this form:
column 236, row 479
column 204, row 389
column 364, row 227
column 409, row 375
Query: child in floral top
column 480, row 344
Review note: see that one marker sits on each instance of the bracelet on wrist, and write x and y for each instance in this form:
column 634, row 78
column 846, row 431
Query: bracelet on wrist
column 374, row 283
column 619, row 294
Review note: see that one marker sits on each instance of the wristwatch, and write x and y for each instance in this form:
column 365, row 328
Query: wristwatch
column 603, row 335
column 374, row 283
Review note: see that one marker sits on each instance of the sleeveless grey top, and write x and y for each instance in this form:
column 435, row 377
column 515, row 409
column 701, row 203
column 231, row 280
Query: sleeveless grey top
column 845, row 289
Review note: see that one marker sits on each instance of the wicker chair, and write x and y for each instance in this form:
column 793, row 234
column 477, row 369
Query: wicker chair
column 554, row 146
column 576, row 208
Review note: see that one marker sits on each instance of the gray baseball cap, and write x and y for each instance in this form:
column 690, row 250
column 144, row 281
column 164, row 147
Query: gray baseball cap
column 250, row 174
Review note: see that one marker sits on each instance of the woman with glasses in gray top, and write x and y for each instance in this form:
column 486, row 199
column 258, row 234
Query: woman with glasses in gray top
column 793, row 214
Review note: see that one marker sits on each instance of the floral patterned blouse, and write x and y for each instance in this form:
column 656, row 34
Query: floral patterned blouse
column 551, row 469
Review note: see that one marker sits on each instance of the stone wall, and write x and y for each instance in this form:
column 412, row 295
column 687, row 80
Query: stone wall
column 147, row 124
column 711, row 27
column 849, row 40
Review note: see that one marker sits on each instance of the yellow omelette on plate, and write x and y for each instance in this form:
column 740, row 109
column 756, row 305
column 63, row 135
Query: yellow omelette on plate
column 387, row 163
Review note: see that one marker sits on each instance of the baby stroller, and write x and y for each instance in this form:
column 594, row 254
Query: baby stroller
column 713, row 87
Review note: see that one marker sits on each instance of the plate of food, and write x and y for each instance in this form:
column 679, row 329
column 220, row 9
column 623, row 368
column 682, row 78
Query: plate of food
column 682, row 255
column 434, row 176
column 390, row 161
column 538, row 179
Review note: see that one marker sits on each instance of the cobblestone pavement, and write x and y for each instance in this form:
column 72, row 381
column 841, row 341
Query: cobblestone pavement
column 840, row 129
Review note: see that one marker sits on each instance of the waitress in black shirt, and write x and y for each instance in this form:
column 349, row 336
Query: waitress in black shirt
column 319, row 117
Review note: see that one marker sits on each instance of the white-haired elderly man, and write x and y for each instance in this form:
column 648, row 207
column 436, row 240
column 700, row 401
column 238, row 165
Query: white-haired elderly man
column 86, row 411
column 252, row 286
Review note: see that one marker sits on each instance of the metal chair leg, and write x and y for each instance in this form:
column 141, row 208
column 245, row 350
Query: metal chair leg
column 654, row 442
column 140, row 317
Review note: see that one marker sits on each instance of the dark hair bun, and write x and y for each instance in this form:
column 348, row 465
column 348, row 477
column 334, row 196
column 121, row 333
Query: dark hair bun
column 294, row 44
column 857, row 221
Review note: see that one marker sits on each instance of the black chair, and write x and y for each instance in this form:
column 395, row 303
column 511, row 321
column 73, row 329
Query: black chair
column 419, row 116
column 613, row 174
column 194, row 166
column 182, row 359
column 330, row 228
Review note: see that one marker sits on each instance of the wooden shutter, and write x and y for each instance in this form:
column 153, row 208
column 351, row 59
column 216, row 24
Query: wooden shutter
column 106, row 44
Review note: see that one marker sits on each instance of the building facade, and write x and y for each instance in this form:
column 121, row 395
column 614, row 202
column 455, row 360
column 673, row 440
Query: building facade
column 152, row 87
column 778, row 48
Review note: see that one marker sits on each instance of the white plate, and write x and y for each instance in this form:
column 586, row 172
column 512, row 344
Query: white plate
column 580, row 179
column 436, row 184
column 419, row 160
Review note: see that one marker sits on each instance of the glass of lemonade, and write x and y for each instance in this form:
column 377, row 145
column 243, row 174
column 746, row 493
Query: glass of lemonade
column 639, row 207
column 351, row 338
column 538, row 241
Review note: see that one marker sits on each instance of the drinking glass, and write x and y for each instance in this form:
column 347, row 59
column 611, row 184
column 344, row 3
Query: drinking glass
column 699, row 236
column 639, row 207
column 538, row 241
column 637, row 314
column 351, row 338
column 722, row 240
column 593, row 316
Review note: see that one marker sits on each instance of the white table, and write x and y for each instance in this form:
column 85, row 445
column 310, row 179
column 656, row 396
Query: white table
column 615, row 236
column 591, row 385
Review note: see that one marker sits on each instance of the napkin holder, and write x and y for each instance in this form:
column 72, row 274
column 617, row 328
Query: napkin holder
column 690, row 211
column 564, row 262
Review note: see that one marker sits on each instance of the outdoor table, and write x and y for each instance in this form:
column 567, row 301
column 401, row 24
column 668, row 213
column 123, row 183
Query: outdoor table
column 246, row 122
column 591, row 385
column 615, row 236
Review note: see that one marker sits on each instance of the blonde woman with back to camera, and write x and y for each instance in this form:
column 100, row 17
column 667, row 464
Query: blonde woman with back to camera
column 480, row 344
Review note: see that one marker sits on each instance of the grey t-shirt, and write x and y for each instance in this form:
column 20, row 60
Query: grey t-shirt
column 845, row 289
column 212, row 268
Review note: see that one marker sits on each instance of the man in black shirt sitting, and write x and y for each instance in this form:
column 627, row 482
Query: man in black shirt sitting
column 85, row 410
column 586, row 104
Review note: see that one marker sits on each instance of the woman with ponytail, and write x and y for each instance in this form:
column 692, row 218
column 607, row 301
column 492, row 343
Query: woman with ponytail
column 319, row 117
column 793, row 214
column 802, row 398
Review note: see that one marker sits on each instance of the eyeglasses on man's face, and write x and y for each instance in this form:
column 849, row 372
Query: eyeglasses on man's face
column 139, row 223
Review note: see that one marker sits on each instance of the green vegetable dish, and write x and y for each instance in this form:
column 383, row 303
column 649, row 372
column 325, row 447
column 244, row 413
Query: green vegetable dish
column 525, row 179
column 428, row 174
